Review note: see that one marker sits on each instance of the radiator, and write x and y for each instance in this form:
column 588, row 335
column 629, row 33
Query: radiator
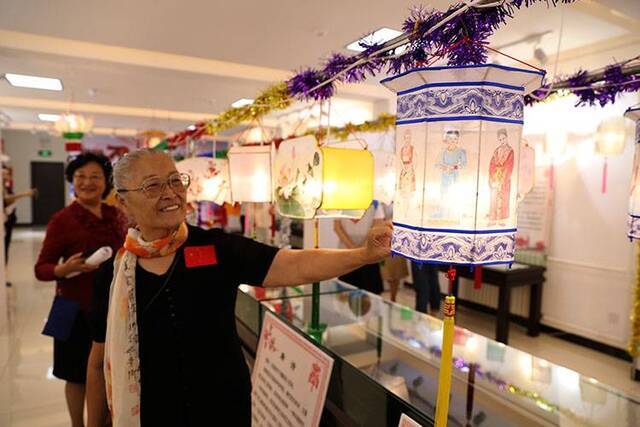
column 487, row 295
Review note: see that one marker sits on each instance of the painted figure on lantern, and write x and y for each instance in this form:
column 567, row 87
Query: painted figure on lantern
column 452, row 160
column 500, row 171
column 407, row 172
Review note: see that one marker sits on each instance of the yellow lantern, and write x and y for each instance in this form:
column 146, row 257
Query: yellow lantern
column 634, row 200
column 250, row 173
column 457, row 157
column 315, row 182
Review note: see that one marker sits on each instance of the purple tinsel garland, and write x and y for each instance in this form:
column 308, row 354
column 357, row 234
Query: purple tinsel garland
column 462, row 40
column 590, row 92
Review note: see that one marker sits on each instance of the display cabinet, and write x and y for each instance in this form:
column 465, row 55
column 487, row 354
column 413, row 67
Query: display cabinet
column 387, row 359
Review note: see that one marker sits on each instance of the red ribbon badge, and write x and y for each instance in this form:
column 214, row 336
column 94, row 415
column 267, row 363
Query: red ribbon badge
column 200, row 256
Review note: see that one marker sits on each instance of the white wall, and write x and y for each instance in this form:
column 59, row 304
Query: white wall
column 22, row 147
column 591, row 263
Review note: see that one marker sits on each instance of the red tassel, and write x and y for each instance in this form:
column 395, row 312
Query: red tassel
column 451, row 274
column 604, row 176
column 477, row 277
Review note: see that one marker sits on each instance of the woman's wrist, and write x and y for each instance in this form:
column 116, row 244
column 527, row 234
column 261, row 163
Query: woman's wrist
column 59, row 271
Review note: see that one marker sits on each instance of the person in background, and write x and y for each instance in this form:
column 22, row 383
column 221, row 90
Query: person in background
column 352, row 233
column 166, row 351
column 394, row 268
column 427, row 287
column 72, row 234
column 9, row 198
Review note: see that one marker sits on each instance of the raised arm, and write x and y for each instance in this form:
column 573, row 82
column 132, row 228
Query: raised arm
column 295, row 267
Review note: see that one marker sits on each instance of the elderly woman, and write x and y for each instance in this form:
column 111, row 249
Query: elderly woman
column 83, row 226
column 163, row 315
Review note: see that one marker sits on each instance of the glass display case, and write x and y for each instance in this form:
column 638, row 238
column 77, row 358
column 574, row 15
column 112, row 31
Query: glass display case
column 387, row 359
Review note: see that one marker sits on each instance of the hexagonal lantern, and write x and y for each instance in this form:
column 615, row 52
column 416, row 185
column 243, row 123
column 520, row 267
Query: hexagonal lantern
column 457, row 152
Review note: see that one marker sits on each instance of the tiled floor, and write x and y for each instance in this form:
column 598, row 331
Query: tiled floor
column 30, row 397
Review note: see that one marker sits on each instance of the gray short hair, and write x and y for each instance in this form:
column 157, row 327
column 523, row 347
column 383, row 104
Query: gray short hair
column 124, row 166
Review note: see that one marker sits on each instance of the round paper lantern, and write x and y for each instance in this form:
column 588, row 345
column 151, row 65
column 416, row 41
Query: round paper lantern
column 457, row 157
column 209, row 179
column 320, row 181
column 634, row 200
column 151, row 138
column 250, row 173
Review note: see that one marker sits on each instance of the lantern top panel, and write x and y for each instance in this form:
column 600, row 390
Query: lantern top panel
column 633, row 113
column 250, row 149
column 526, row 80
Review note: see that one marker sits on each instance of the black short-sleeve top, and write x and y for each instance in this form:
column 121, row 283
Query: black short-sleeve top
column 191, row 363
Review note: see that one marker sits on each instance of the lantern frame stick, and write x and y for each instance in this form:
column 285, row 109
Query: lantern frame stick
column 316, row 329
column 446, row 362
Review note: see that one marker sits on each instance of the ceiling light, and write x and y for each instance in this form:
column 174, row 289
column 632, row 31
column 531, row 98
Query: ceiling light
column 33, row 82
column 377, row 37
column 49, row 117
column 242, row 102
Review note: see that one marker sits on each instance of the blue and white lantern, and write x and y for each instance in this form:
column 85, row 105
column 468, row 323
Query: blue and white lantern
column 634, row 199
column 457, row 156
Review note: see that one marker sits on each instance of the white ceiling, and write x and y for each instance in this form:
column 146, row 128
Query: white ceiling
column 224, row 51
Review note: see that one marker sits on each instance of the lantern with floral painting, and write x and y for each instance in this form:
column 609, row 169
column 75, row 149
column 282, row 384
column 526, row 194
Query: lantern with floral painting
column 634, row 202
column 250, row 173
column 315, row 181
column 457, row 157
column 209, row 179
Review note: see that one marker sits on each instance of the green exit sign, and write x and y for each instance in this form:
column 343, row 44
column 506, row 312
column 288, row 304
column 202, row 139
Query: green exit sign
column 44, row 153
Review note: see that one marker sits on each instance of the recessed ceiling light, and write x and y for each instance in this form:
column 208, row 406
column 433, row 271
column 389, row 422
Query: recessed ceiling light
column 242, row 102
column 33, row 82
column 49, row 117
column 377, row 37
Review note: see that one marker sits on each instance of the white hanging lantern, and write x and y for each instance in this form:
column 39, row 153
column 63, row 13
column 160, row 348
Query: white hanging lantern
column 634, row 202
column 611, row 136
column 457, row 156
column 209, row 179
column 250, row 173
column 321, row 181
column 610, row 139
column 527, row 172
column 385, row 177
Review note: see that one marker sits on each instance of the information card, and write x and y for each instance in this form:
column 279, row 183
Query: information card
column 406, row 421
column 290, row 378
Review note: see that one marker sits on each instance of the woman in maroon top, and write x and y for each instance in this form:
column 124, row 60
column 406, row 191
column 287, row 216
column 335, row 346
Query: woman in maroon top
column 80, row 228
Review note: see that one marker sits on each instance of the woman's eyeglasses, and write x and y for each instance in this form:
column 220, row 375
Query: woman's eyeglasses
column 154, row 187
